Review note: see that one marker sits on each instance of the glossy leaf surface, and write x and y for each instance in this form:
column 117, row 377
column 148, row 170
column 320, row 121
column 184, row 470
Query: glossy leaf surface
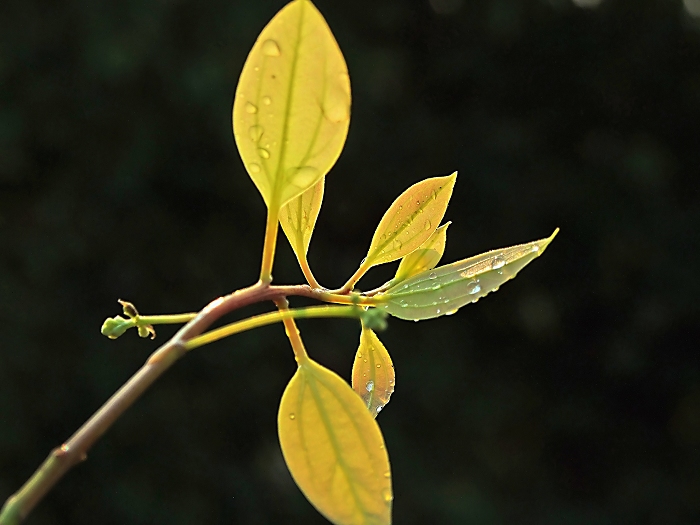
column 373, row 375
column 445, row 289
column 411, row 219
column 298, row 218
column 334, row 448
column 425, row 257
column 292, row 106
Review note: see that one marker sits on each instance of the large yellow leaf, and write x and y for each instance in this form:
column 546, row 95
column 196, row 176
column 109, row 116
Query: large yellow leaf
column 410, row 220
column 298, row 218
column 425, row 257
column 334, row 448
column 373, row 376
column 292, row 106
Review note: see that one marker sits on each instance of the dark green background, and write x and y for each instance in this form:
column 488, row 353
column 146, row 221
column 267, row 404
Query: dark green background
column 572, row 396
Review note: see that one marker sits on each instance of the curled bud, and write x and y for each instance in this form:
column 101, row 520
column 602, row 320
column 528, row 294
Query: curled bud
column 113, row 327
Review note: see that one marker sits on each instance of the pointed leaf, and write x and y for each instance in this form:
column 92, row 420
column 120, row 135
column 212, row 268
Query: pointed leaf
column 373, row 376
column 292, row 106
column 411, row 219
column 298, row 218
column 334, row 448
column 425, row 257
column 444, row 290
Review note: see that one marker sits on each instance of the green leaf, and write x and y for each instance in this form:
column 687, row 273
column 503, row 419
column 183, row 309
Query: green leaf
column 410, row 220
column 373, row 376
column 425, row 257
column 292, row 107
column 298, row 218
column 334, row 448
column 446, row 289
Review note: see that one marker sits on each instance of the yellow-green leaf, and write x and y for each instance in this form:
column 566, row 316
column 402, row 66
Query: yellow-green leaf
column 373, row 376
column 292, row 106
column 445, row 289
column 410, row 220
column 298, row 218
column 334, row 448
column 425, row 257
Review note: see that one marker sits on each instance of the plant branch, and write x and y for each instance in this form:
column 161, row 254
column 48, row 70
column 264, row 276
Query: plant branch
column 75, row 449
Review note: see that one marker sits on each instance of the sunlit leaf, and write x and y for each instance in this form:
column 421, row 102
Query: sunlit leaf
column 292, row 106
column 298, row 218
column 410, row 220
column 334, row 448
column 425, row 257
column 373, row 376
column 445, row 289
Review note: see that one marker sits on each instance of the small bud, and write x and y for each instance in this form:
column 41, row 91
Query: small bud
column 113, row 327
column 374, row 319
column 147, row 331
column 129, row 309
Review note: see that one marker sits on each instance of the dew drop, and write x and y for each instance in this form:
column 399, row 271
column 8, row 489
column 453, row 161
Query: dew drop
column 498, row 262
column 255, row 133
column 364, row 360
column 535, row 248
column 432, row 275
column 387, row 474
column 379, row 408
column 359, row 355
column 473, row 287
column 303, row 176
column 451, row 312
column 370, row 386
column 254, row 168
column 251, row 108
column 387, row 495
column 397, row 244
column 400, row 208
column 263, row 153
column 436, row 287
column 378, row 365
column 437, row 311
column 270, row 48
column 434, row 195
column 267, row 101
column 427, row 225
column 292, row 416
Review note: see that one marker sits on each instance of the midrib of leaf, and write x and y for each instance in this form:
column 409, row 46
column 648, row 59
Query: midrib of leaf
column 287, row 109
column 334, row 441
column 406, row 224
column 307, row 456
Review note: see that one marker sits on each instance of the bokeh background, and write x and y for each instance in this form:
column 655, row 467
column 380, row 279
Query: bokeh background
column 572, row 396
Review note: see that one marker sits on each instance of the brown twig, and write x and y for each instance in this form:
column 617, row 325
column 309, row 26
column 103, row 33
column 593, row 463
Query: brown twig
column 75, row 450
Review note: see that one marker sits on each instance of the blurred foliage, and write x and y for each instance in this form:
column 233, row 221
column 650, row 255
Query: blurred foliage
column 571, row 396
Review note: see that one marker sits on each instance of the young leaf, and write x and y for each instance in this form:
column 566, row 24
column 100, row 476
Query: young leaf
column 446, row 289
column 292, row 106
column 298, row 218
column 410, row 220
column 425, row 257
column 373, row 376
column 334, row 448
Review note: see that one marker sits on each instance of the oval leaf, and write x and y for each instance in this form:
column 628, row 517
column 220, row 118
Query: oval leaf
column 410, row 220
column 447, row 288
column 292, row 107
column 298, row 218
column 334, row 448
column 425, row 257
column 373, row 376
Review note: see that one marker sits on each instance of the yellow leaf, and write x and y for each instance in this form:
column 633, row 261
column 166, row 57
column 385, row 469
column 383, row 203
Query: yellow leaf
column 292, row 107
column 425, row 257
column 334, row 448
column 298, row 218
column 373, row 376
column 410, row 220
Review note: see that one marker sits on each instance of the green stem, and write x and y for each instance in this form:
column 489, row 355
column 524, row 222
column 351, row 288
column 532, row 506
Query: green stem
column 165, row 319
column 270, row 318
column 268, row 257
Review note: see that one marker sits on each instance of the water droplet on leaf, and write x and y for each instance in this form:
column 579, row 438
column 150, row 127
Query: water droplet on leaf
column 427, row 225
column 254, row 168
column 473, row 287
column 255, row 133
column 267, row 101
column 370, row 386
column 270, row 48
column 432, row 275
column 263, row 153
column 292, row 416
column 498, row 262
column 251, row 108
